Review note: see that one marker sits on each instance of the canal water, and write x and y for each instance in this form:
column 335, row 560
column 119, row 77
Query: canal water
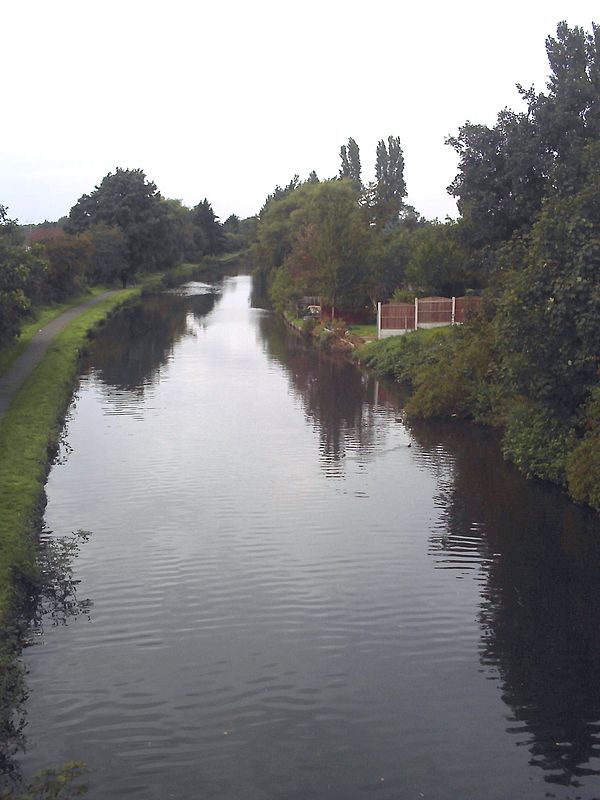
column 287, row 592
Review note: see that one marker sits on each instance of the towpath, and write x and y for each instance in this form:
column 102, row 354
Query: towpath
column 30, row 358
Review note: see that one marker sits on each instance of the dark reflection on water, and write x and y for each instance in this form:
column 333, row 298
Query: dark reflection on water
column 332, row 392
column 540, row 610
column 129, row 353
column 289, row 601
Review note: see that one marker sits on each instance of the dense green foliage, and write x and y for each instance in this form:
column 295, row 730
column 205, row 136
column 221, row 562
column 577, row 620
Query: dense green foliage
column 529, row 193
column 123, row 227
column 21, row 274
column 157, row 233
column 350, row 157
column 354, row 245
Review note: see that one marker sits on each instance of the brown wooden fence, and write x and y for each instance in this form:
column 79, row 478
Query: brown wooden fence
column 434, row 310
column 430, row 312
column 398, row 316
column 466, row 307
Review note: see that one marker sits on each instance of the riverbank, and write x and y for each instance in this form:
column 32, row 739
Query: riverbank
column 456, row 372
column 336, row 339
column 206, row 581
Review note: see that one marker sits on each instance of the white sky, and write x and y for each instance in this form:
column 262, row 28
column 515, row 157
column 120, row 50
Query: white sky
column 226, row 99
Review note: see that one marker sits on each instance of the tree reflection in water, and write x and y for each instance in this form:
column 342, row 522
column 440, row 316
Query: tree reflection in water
column 55, row 601
column 129, row 352
column 535, row 554
column 334, row 395
column 540, row 611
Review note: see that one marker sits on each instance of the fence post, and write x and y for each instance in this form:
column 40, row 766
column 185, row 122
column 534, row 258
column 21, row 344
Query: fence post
column 453, row 308
column 416, row 313
column 379, row 320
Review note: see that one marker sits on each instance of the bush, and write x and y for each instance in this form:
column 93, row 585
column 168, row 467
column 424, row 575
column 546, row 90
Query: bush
column 399, row 356
column 453, row 380
column 537, row 442
column 308, row 325
column 583, row 471
column 583, row 462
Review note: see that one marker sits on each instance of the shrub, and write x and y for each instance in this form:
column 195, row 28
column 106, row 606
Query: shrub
column 583, row 462
column 537, row 442
column 583, row 471
column 453, row 380
column 308, row 325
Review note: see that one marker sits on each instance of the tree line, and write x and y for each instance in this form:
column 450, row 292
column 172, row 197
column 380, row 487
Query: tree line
column 527, row 238
column 355, row 243
column 123, row 227
column 528, row 190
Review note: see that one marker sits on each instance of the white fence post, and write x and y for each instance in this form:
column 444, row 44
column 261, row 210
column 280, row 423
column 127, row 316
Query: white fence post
column 379, row 320
column 416, row 313
column 453, row 308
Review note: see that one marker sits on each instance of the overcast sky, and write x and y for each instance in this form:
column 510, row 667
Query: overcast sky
column 225, row 100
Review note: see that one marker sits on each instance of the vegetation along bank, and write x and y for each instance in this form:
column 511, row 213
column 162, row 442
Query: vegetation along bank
column 527, row 239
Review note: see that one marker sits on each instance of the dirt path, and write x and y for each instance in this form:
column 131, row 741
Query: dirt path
column 30, row 358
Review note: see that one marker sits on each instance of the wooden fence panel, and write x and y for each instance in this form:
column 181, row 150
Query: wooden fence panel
column 435, row 310
column 398, row 316
column 466, row 307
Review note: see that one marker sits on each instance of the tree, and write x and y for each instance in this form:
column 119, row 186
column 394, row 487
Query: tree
column 437, row 260
column 568, row 117
column 208, row 231
column 275, row 230
column 331, row 244
column 126, row 199
column 232, row 224
column 505, row 171
column 385, row 197
column 278, row 193
column 387, row 258
column 108, row 260
column 22, row 273
column 69, row 258
column 501, row 179
column 548, row 316
column 350, row 156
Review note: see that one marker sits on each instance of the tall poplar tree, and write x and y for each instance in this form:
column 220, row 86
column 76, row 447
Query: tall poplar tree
column 388, row 193
column 350, row 157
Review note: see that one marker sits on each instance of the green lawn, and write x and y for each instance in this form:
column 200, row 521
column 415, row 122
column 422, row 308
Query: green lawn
column 366, row 331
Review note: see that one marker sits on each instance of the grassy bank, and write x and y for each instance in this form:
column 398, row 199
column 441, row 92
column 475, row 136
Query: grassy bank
column 29, row 433
column 30, row 428
column 40, row 317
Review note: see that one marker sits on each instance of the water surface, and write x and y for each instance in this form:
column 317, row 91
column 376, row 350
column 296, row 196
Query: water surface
column 294, row 595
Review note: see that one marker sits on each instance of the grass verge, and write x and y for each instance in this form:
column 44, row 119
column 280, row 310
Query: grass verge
column 29, row 433
column 42, row 315
column 30, row 428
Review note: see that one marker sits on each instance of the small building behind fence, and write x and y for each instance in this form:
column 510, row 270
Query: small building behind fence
column 394, row 319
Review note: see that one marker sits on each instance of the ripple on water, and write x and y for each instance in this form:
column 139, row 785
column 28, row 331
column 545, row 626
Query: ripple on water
column 276, row 610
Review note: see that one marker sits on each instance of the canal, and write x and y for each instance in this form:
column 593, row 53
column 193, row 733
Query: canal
column 287, row 592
